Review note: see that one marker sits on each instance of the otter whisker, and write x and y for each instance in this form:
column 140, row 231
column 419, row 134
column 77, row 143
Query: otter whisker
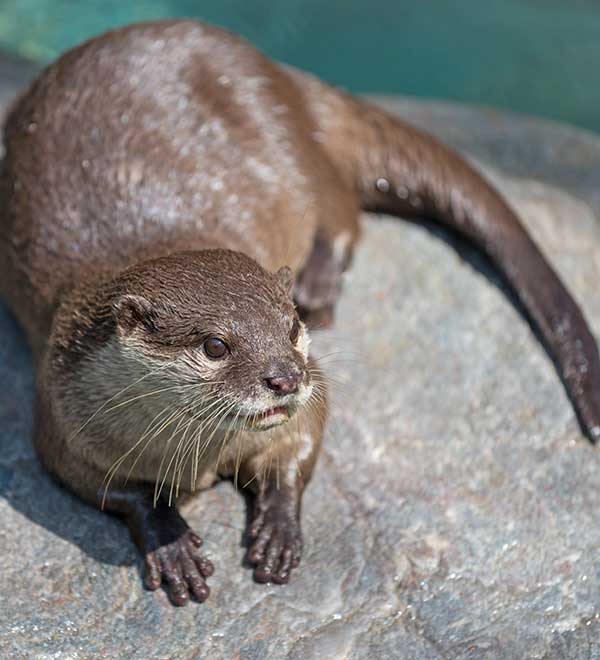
column 342, row 356
column 255, row 476
column 170, row 388
column 214, row 421
column 322, row 381
column 353, row 357
column 182, row 459
column 256, row 472
column 157, row 489
column 223, row 409
column 317, row 373
column 316, row 405
column 316, row 409
column 155, row 433
column 321, row 396
column 183, row 450
column 231, row 428
column 180, row 464
column 322, row 386
column 117, row 464
column 238, row 452
column 326, row 379
column 114, row 396
column 270, row 464
column 176, row 456
column 224, row 440
column 298, row 469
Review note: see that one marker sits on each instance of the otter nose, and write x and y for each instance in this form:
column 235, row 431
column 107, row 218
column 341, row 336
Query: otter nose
column 284, row 384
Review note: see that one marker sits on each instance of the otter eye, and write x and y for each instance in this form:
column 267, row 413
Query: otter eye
column 295, row 331
column 215, row 348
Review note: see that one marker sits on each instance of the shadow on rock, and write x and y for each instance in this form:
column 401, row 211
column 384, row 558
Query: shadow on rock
column 24, row 485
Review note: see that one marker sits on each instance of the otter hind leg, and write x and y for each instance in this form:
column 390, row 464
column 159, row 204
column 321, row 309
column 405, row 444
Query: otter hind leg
column 319, row 283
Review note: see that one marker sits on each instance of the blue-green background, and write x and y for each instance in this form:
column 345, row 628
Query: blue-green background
column 535, row 56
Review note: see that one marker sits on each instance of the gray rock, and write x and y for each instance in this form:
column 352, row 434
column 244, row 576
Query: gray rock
column 453, row 511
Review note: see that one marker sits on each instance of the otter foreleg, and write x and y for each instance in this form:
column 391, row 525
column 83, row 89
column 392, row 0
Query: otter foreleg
column 275, row 528
column 170, row 548
column 276, row 533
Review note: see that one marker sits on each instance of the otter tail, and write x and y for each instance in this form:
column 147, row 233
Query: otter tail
column 400, row 170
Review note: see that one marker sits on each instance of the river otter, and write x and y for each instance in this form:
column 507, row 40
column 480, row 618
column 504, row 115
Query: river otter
column 176, row 207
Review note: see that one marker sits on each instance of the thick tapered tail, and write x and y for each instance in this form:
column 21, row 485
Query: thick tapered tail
column 400, row 170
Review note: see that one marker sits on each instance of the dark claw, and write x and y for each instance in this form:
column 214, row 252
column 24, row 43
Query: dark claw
column 257, row 551
column 195, row 539
column 153, row 578
column 262, row 575
column 206, row 567
column 273, row 553
column 256, row 525
column 282, row 574
column 193, row 578
column 177, row 588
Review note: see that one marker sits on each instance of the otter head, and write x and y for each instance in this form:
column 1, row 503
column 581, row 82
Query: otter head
column 220, row 334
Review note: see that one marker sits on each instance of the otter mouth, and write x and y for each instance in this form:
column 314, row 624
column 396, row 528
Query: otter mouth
column 271, row 417
column 262, row 420
column 278, row 410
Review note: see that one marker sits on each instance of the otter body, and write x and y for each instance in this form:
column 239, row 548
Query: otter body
column 174, row 206
column 162, row 138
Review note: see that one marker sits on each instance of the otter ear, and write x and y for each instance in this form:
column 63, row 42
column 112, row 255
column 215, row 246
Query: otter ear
column 285, row 277
column 132, row 312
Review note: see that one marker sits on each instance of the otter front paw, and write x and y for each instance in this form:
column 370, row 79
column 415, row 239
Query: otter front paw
column 277, row 544
column 182, row 567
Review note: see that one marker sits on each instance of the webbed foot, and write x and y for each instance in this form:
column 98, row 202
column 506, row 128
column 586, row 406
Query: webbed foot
column 276, row 539
column 182, row 567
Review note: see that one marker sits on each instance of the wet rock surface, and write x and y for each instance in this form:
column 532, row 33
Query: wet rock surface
column 453, row 511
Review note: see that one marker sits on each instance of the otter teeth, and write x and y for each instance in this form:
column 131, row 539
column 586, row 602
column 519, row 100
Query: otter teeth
column 277, row 410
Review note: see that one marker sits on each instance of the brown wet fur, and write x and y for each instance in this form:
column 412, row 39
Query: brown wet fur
column 155, row 181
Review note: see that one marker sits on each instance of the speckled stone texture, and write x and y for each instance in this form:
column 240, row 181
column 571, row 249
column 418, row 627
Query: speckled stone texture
column 453, row 513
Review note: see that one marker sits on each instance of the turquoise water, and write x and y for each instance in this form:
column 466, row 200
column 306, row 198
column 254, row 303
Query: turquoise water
column 536, row 56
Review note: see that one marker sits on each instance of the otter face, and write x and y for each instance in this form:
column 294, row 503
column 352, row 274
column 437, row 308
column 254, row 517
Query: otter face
column 222, row 333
